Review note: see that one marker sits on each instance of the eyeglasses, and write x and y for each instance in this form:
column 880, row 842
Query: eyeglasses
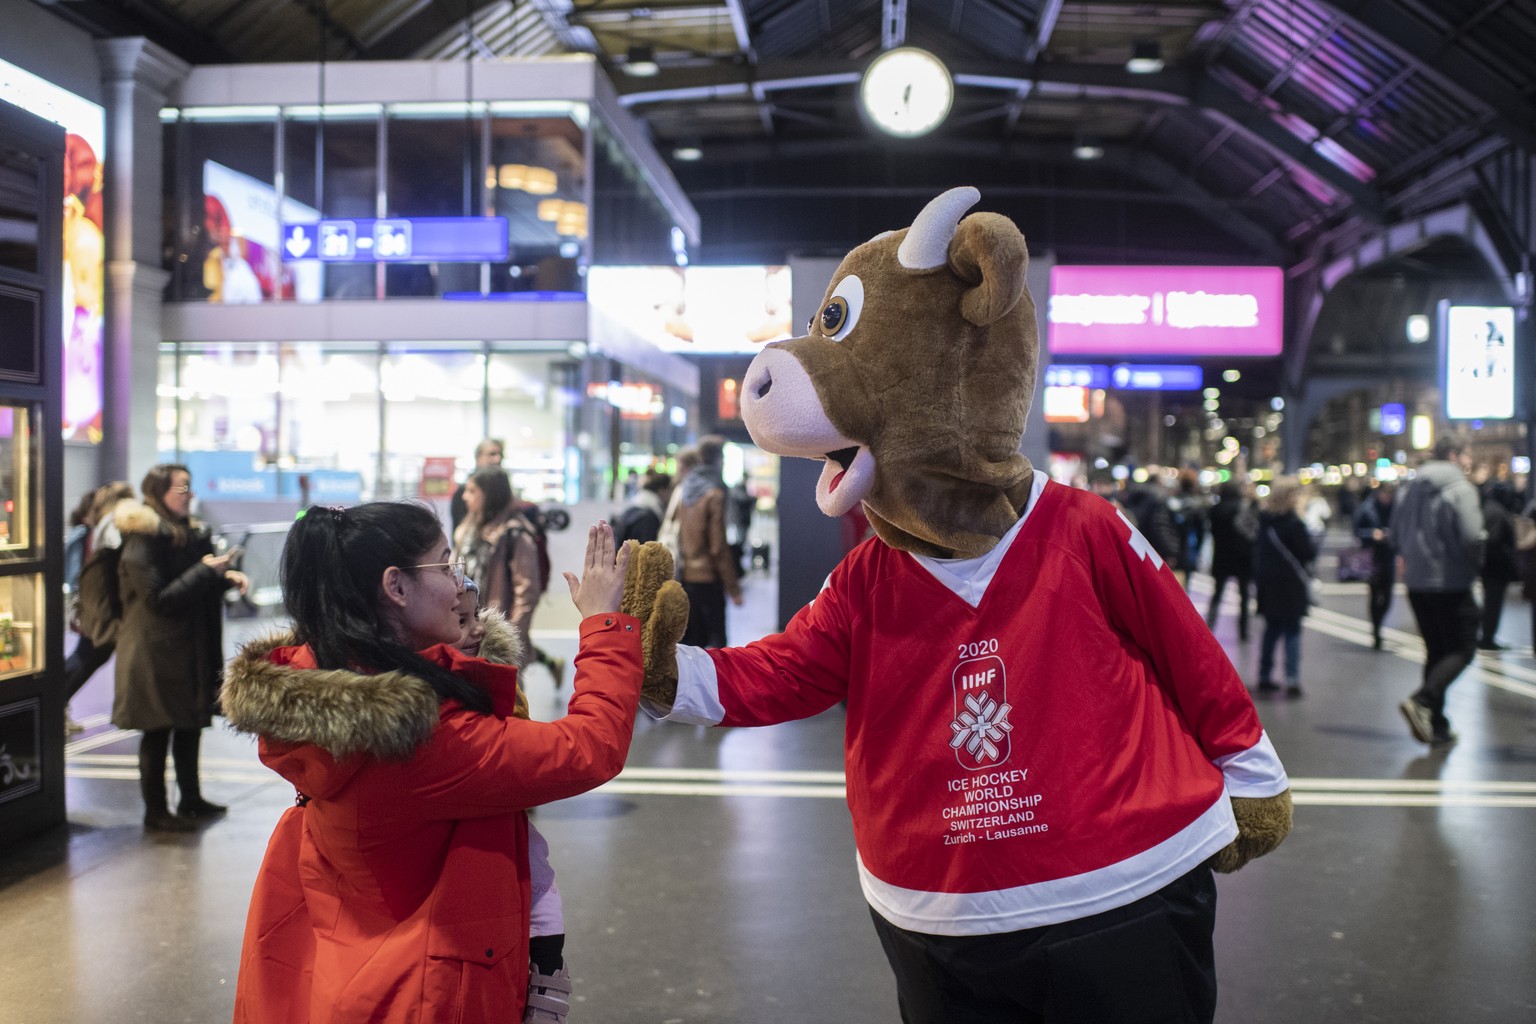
column 183, row 489
column 455, row 569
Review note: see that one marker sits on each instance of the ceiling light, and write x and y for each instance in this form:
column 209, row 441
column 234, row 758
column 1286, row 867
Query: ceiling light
column 1146, row 57
column 1088, row 149
column 687, row 154
column 641, row 62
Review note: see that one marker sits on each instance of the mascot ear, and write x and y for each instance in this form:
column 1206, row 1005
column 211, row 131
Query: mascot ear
column 988, row 251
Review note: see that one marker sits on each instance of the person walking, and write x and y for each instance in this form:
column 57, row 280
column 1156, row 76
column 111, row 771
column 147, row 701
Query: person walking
column 170, row 647
column 640, row 521
column 1438, row 525
column 1282, row 554
column 496, row 543
column 1501, row 560
column 488, row 455
column 1373, row 528
column 100, row 534
column 1234, row 525
column 707, row 570
column 402, row 885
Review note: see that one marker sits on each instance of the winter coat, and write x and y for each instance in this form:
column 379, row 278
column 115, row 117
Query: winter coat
column 504, row 561
column 706, row 555
column 1501, row 559
column 1438, row 527
column 1283, row 592
column 170, row 645
column 1371, row 516
column 641, row 519
column 398, row 889
column 1232, row 525
column 1150, row 509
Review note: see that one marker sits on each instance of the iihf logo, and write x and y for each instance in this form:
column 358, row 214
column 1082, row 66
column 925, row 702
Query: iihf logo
column 980, row 727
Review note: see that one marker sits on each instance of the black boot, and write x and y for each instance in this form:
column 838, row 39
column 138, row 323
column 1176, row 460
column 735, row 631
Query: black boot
column 157, row 812
column 192, row 806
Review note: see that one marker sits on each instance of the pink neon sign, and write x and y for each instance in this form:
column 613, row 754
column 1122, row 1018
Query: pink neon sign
column 1165, row 311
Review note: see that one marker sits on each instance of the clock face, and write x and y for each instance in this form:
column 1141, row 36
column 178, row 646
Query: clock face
column 906, row 92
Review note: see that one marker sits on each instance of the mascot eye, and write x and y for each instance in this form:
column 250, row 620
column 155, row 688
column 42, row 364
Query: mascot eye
column 841, row 312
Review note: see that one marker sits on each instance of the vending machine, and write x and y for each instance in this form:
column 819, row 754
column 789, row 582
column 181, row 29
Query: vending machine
column 31, row 486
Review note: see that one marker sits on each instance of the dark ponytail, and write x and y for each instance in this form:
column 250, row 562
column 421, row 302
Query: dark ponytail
column 332, row 566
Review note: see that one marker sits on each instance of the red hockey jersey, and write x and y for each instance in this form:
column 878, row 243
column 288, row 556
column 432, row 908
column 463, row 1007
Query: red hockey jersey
column 1040, row 734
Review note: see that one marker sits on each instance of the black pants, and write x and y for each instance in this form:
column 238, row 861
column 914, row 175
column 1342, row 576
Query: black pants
column 1150, row 962
column 1243, row 585
column 1448, row 623
column 1381, row 601
column 82, row 663
column 183, row 744
column 1493, row 605
column 706, row 614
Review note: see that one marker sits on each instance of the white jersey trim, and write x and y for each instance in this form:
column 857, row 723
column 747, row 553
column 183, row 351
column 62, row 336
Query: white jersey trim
column 969, row 577
column 1060, row 899
column 698, row 691
column 1255, row 772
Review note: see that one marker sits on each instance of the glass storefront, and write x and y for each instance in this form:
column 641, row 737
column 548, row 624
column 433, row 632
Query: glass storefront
column 232, row 169
column 343, row 422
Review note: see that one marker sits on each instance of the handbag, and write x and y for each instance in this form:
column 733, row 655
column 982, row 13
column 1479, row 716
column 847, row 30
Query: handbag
column 1308, row 581
column 1356, row 564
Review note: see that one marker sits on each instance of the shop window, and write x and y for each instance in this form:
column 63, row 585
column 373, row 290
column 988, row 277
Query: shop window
column 630, row 225
column 536, row 178
column 530, row 406
column 433, row 409
column 225, row 228
column 346, row 184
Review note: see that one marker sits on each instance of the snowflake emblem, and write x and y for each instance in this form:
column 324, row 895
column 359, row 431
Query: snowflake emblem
column 980, row 727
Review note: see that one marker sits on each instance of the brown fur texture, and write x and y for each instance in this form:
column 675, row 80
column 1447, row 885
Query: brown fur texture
column 387, row 715
column 657, row 600
column 504, row 644
column 1261, row 825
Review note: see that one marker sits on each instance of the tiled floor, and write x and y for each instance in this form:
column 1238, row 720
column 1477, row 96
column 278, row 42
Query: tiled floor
column 714, row 881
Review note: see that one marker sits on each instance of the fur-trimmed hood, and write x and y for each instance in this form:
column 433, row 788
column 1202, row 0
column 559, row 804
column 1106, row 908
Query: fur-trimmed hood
column 267, row 692
column 132, row 517
column 503, row 643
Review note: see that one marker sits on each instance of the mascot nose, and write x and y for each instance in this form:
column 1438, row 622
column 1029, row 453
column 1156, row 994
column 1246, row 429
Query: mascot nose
column 759, row 380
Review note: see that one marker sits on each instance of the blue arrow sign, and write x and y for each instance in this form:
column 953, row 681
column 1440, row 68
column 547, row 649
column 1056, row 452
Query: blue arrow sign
column 398, row 240
column 1156, row 377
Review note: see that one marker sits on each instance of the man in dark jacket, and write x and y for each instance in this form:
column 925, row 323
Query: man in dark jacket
column 706, row 568
column 1439, row 530
column 1234, row 523
column 1501, row 560
column 1373, row 528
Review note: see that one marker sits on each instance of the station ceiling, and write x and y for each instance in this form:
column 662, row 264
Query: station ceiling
column 1276, row 129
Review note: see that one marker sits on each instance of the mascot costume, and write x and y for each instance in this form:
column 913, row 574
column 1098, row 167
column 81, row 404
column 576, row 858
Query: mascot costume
column 1047, row 752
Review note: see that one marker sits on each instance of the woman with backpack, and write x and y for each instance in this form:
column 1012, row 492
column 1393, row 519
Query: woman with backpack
column 170, row 644
column 499, row 548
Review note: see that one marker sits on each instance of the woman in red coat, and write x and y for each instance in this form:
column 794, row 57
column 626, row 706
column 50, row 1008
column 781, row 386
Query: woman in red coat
column 398, row 888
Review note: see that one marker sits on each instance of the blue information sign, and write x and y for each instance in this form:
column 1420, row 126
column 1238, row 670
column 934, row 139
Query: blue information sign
column 1394, row 418
column 1072, row 375
column 398, row 240
column 1156, row 377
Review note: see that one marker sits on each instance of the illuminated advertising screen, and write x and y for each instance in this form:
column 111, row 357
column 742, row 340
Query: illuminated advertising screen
column 1165, row 311
column 702, row 310
column 242, row 228
column 84, row 251
column 1479, row 362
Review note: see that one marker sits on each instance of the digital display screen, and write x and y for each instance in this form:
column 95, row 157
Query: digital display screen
column 1479, row 362
column 1165, row 311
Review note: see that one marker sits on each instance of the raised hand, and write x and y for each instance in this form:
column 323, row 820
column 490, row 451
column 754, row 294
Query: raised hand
column 657, row 600
column 602, row 578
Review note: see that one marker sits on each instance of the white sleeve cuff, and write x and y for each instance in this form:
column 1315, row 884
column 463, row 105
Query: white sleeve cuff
column 1255, row 772
column 698, row 691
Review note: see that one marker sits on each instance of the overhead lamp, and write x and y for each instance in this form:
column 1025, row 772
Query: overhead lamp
column 641, row 62
column 538, row 181
column 1146, row 57
column 1418, row 328
column 688, row 154
column 1087, row 148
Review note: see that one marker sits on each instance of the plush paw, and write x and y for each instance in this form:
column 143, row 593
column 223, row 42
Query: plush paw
column 1262, row 823
column 657, row 600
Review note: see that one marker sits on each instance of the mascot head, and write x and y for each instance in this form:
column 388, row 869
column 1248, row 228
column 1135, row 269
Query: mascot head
column 914, row 382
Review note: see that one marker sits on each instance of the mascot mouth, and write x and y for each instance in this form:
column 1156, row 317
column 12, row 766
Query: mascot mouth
column 847, row 475
column 844, row 458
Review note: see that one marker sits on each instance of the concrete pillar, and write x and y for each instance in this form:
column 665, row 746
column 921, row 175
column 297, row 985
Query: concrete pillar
column 136, row 77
